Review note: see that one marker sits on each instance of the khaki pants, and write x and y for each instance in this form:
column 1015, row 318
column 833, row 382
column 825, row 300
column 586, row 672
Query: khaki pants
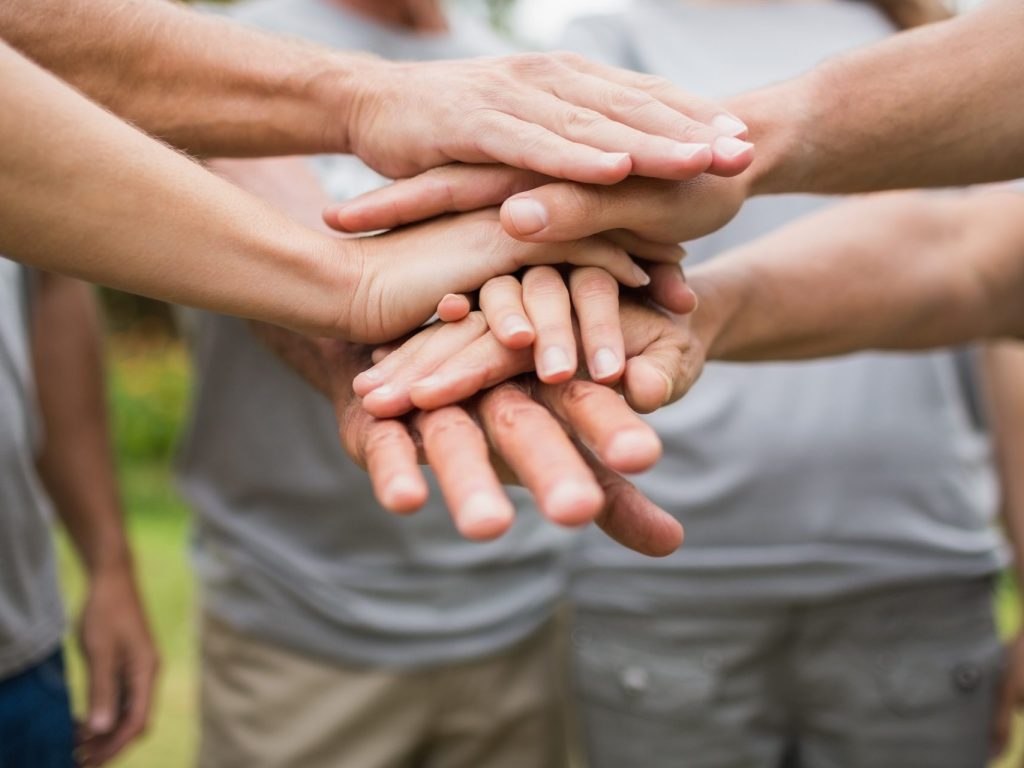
column 264, row 706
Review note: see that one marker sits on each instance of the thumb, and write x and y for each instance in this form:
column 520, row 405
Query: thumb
column 659, row 375
column 449, row 189
column 102, row 673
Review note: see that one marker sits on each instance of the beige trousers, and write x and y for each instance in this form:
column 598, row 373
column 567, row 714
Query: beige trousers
column 264, row 706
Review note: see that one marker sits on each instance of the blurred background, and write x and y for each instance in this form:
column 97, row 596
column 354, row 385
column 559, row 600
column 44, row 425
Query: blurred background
column 149, row 383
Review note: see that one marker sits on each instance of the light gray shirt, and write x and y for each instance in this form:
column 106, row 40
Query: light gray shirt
column 31, row 616
column 290, row 544
column 794, row 481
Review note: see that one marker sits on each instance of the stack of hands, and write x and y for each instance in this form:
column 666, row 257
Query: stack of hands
column 519, row 380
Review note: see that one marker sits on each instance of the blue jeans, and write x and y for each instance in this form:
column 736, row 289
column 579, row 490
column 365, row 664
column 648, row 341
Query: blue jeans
column 36, row 729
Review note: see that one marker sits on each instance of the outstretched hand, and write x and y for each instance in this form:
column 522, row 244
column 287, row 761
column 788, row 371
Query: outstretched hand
column 566, row 443
column 637, row 214
column 559, row 114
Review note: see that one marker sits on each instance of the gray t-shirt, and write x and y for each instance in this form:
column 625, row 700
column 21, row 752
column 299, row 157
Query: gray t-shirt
column 290, row 543
column 794, row 481
column 31, row 616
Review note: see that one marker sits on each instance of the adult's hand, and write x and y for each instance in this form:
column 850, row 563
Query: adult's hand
column 636, row 213
column 121, row 664
column 405, row 273
column 563, row 442
column 559, row 114
column 442, row 365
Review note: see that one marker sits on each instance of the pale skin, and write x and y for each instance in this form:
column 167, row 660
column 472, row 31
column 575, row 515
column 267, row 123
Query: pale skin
column 227, row 247
column 565, row 442
column 77, row 469
column 873, row 119
column 144, row 219
column 950, row 270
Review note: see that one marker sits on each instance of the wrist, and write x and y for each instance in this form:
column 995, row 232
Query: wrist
column 346, row 90
column 328, row 269
column 720, row 300
column 781, row 122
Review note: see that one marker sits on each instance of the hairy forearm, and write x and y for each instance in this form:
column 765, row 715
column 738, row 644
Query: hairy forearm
column 72, row 171
column 936, row 106
column 897, row 271
column 76, row 464
column 202, row 83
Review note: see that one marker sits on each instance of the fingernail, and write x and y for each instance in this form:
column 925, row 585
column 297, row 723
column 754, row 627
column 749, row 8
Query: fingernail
column 370, row 375
column 632, row 451
column 101, row 722
column 402, row 489
column 606, row 363
column 689, row 151
column 515, row 325
column 729, row 125
column 555, row 361
column 483, row 516
column 613, row 159
column 573, row 503
column 641, row 277
column 728, row 147
column 528, row 216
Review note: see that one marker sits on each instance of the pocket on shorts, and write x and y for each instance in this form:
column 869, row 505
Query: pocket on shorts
column 617, row 668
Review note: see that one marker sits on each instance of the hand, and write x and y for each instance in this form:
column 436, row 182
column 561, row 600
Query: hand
column 121, row 663
column 448, row 363
column 558, row 114
column 405, row 273
column 513, row 433
column 634, row 213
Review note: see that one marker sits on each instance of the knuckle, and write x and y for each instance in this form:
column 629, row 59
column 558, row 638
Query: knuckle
column 592, row 282
column 447, row 422
column 570, row 59
column 529, row 64
column 629, row 102
column 651, row 83
column 380, row 439
column 584, row 200
column 578, row 393
column 582, row 120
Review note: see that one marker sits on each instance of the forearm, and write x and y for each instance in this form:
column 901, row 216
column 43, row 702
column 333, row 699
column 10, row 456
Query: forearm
column 202, row 83
column 76, row 464
column 186, row 236
column 896, row 271
column 936, row 106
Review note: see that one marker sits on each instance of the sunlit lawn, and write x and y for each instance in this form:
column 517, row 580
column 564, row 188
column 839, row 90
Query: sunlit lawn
column 149, row 393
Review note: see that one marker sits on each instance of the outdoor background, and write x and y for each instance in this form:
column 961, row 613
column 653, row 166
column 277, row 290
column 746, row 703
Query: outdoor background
column 149, row 386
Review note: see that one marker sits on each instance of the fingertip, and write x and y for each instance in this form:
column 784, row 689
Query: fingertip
column 573, row 503
column 366, row 382
column 387, row 401
column 645, row 386
column 731, row 156
column 453, row 307
column 669, row 538
column 101, row 720
column 484, row 516
column 632, row 451
column 515, row 332
column 405, row 494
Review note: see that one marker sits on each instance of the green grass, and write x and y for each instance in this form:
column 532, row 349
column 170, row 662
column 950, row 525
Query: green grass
column 149, row 389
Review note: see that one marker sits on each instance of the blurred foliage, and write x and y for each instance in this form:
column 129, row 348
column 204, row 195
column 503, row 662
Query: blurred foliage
column 149, row 385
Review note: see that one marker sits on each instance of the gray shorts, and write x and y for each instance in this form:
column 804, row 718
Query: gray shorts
column 901, row 679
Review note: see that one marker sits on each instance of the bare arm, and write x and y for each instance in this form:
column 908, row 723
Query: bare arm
column 216, row 88
column 85, row 194
column 77, row 468
column 934, row 106
column 893, row 271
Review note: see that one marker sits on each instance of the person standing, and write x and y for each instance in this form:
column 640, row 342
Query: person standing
column 833, row 602
column 335, row 634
